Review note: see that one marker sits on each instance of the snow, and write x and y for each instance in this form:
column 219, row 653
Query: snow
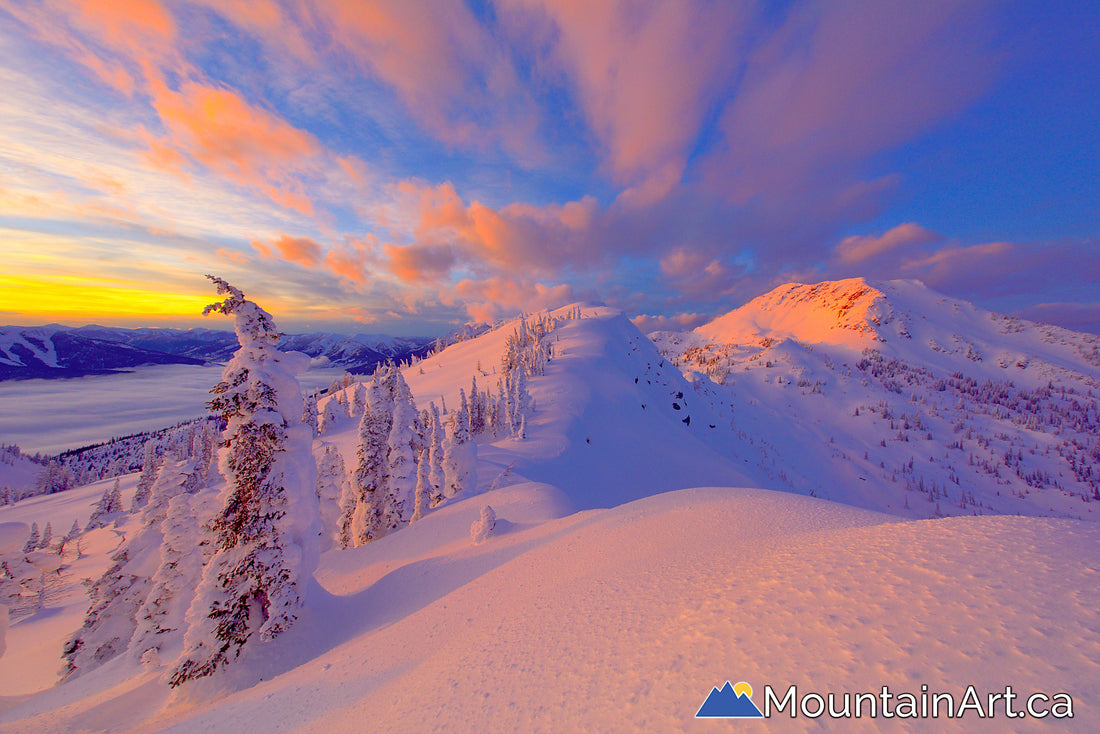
column 632, row 568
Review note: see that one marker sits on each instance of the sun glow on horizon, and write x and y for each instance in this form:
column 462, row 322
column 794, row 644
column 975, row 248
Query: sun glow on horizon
column 46, row 298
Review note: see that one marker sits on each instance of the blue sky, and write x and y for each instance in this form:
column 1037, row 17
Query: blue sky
column 402, row 167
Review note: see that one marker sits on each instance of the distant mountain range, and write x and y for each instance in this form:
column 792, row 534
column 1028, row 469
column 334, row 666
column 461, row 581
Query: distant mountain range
column 54, row 351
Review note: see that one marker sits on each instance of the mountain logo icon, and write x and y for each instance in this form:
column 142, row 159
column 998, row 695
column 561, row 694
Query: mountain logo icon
column 731, row 702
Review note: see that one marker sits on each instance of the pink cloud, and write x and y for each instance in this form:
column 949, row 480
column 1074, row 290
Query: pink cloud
column 490, row 299
column 839, row 81
column 516, row 237
column 644, row 74
column 680, row 322
column 418, row 263
column 698, row 275
column 859, row 248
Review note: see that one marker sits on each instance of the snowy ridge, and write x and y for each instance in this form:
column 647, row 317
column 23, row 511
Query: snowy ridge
column 892, row 397
column 629, row 570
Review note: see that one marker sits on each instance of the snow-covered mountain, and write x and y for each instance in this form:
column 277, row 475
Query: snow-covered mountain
column 642, row 554
column 57, row 351
column 893, row 397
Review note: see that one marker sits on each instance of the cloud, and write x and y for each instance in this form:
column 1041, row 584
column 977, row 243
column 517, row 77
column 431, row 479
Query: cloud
column 218, row 128
column 419, row 263
column 354, row 260
column 490, row 299
column 679, row 322
column 833, row 85
column 643, row 73
column 516, row 237
column 698, row 275
column 859, row 248
column 300, row 250
column 238, row 257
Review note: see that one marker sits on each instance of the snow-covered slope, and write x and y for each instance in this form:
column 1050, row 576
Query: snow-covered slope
column 623, row 620
column 616, row 592
column 892, row 397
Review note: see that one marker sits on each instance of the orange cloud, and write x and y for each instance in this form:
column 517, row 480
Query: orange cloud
column 249, row 145
column 353, row 259
column 301, row 250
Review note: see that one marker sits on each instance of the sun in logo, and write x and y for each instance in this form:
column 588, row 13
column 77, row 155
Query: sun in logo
column 742, row 688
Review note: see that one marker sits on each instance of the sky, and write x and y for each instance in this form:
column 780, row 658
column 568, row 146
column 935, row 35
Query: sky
column 405, row 167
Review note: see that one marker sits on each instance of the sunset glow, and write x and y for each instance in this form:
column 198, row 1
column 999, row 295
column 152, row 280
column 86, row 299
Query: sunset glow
column 413, row 166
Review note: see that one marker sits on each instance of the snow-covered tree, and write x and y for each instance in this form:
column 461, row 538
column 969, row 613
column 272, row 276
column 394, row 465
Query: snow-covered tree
column 109, row 622
column 159, row 621
column 114, row 500
column 265, row 534
column 330, row 415
column 436, row 477
column 459, row 457
column 358, row 399
column 33, row 540
column 423, row 487
column 371, row 479
column 332, row 480
column 482, row 529
column 47, row 537
column 400, row 464
column 309, row 413
column 149, row 467
column 54, row 478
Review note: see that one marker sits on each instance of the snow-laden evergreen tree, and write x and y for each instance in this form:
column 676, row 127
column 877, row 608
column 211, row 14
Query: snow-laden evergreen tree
column 114, row 500
column 170, row 517
column 99, row 517
column 54, row 478
column 309, row 414
column 358, row 399
column 149, row 467
column 47, row 537
column 459, row 456
column 265, row 534
column 332, row 480
column 371, row 478
column 33, row 539
column 400, row 464
column 436, row 477
column 330, row 415
column 110, row 620
column 477, row 409
column 423, row 487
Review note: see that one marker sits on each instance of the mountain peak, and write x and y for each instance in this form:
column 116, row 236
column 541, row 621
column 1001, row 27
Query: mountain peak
column 844, row 312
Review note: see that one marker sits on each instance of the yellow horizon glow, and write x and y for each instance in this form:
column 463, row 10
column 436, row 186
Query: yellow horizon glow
column 85, row 298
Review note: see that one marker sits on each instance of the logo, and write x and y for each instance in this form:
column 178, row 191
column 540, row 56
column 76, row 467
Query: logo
column 735, row 702
column 731, row 702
